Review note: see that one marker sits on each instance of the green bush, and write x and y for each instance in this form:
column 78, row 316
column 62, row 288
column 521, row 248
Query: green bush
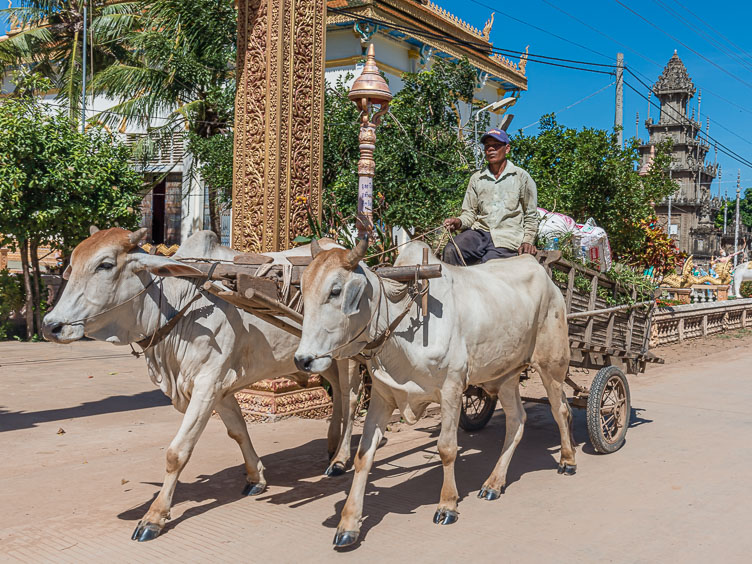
column 11, row 299
column 746, row 290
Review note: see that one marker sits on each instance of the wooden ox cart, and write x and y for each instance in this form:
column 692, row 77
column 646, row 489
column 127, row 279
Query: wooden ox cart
column 605, row 334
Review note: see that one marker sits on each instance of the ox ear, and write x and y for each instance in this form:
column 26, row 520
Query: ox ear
column 67, row 272
column 93, row 229
column 353, row 292
column 164, row 266
column 137, row 236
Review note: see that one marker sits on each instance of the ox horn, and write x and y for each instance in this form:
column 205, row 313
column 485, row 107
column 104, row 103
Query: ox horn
column 315, row 248
column 93, row 229
column 358, row 253
column 137, row 236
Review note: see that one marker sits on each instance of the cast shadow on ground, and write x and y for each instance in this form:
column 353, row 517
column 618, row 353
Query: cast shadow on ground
column 299, row 470
column 15, row 420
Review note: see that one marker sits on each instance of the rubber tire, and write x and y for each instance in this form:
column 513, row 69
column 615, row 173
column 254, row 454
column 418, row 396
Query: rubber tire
column 597, row 438
column 480, row 420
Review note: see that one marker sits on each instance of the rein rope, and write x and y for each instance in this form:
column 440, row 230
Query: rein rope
column 423, row 236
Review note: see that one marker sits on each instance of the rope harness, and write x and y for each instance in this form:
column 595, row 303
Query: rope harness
column 159, row 335
column 415, row 291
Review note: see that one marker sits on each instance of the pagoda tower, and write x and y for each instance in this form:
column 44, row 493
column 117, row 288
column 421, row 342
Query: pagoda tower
column 692, row 207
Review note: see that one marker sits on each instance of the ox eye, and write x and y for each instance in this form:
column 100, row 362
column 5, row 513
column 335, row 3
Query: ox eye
column 105, row 266
column 336, row 291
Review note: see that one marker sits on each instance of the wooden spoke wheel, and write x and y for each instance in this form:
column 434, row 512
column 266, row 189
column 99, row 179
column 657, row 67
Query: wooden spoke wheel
column 477, row 408
column 609, row 409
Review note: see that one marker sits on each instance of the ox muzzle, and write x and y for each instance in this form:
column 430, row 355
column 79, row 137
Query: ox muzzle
column 311, row 364
column 58, row 331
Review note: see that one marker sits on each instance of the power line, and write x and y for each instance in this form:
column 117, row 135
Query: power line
column 711, row 28
column 539, row 29
column 703, row 57
column 713, row 120
column 705, row 90
column 482, row 47
column 572, row 105
column 680, row 117
column 722, row 148
column 722, row 48
column 598, row 31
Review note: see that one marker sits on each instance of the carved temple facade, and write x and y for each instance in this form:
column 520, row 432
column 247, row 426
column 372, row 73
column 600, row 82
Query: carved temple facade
column 287, row 50
column 693, row 208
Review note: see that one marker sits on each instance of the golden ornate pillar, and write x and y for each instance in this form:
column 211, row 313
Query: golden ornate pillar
column 279, row 112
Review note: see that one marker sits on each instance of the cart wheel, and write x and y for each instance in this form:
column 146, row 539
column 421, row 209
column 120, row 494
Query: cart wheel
column 477, row 409
column 608, row 410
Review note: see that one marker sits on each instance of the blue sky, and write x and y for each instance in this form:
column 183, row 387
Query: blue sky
column 647, row 48
column 550, row 89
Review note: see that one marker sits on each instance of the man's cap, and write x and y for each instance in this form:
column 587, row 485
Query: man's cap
column 498, row 134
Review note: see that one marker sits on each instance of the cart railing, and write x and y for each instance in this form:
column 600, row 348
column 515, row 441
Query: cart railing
column 601, row 332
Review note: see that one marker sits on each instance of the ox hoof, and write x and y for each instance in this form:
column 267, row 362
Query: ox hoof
column 345, row 538
column 445, row 517
column 253, row 488
column 568, row 469
column 489, row 493
column 336, row 469
column 146, row 532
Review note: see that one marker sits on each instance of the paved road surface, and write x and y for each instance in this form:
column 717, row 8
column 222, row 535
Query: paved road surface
column 83, row 435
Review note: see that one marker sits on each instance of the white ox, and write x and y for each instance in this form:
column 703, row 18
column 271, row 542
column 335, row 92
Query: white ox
column 743, row 273
column 118, row 293
column 485, row 325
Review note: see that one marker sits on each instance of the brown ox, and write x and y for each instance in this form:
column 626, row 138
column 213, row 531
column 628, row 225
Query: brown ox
column 119, row 294
column 485, row 325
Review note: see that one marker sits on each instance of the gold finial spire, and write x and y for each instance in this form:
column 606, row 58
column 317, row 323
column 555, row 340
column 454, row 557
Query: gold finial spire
column 487, row 27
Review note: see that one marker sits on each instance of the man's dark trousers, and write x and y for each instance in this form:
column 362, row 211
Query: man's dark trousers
column 476, row 246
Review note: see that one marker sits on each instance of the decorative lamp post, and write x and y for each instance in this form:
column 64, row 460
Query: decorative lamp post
column 736, row 222
column 370, row 89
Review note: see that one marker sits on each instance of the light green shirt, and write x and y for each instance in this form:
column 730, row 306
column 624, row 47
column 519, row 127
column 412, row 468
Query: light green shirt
column 507, row 206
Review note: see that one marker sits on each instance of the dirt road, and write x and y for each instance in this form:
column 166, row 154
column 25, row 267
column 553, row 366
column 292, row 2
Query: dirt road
column 83, row 435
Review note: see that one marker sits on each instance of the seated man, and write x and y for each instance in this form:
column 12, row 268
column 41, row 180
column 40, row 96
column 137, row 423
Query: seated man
column 499, row 213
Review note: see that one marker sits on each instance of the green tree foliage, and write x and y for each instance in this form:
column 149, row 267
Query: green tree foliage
column 50, row 40
column 584, row 173
column 214, row 155
column 54, row 183
column 11, row 299
column 423, row 162
column 745, row 211
column 180, row 65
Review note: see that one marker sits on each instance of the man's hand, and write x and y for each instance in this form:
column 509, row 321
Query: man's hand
column 527, row 249
column 452, row 223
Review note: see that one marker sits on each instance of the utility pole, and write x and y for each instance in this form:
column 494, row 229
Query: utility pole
column 736, row 223
column 669, row 203
column 83, row 81
column 619, row 116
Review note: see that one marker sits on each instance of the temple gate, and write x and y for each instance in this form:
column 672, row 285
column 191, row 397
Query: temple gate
column 279, row 113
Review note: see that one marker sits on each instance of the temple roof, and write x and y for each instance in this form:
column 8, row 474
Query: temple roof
column 674, row 79
column 431, row 24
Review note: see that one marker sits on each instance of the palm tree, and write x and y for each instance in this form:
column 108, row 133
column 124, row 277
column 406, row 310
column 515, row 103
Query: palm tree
column 180, row 68
column 46, row 38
